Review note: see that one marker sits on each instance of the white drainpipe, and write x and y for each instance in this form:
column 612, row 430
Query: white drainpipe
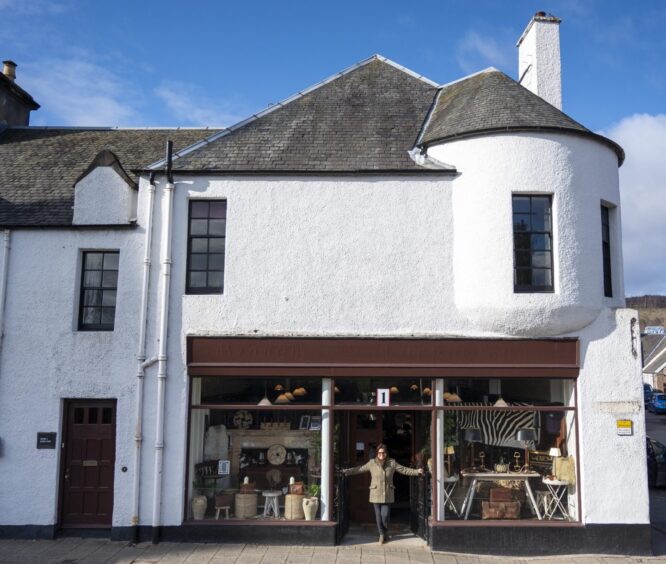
column 4, row 268
column 142, row 364
column 162, row 356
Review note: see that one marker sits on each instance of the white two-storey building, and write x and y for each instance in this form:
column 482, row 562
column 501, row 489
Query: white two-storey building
column 379, row 258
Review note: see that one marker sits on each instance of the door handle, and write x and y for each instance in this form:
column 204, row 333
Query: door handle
column 67, row 474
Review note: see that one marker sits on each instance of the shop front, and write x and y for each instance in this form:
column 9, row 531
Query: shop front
column 272, row 421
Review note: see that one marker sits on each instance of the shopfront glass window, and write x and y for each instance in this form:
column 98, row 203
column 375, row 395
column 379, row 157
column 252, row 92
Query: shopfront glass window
column 386, row 391
column 254, row 462
column 509, row 450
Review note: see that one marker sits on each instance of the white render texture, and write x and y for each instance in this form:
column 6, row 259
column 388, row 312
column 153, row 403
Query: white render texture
column 539, row 60
column 614, row 467
column 103, row 197
column 580, row 174
column 46, row 360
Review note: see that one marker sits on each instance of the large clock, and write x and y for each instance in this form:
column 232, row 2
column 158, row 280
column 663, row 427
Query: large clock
column 276, row 454
column 242, row 419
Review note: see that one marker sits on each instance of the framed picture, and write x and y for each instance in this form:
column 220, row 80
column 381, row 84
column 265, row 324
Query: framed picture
column 305, row 422
column 223, row 467
column 315, row 423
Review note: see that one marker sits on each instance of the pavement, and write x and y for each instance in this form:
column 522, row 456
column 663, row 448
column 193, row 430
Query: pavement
column 357, row 549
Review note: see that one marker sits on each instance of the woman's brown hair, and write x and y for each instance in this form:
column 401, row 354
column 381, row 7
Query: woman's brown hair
column 382, row 446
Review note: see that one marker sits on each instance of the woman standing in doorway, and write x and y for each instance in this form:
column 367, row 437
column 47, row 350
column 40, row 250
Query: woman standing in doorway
column 382, row 490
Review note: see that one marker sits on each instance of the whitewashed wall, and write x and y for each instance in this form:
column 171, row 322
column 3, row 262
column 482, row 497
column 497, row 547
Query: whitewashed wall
column 45, row 359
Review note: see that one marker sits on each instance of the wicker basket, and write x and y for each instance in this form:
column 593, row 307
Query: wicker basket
column 293, row 506
column 245, row 506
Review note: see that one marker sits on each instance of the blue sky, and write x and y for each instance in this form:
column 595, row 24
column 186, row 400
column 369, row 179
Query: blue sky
column 212, row 63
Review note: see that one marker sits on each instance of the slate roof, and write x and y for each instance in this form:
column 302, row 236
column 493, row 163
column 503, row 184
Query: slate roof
column 39, row 166
column 490, row 101
column 364, row 119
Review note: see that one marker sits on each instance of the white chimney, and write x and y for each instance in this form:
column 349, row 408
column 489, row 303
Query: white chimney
column 539, row 67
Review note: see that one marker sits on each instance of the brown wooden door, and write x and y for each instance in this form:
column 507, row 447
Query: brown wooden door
column 365, row 431
column 88, row 464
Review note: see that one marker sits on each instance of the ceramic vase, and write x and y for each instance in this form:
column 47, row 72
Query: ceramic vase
column 310, row 506
column 199, row 506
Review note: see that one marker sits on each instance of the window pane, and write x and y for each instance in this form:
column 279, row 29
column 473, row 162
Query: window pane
column 198, row 262
column 93, row 261
column 78, row 415
column 107, row 415
column 541, row 277
column 110, row 279
column 521, row 222
column 541, row 259
column 92, row 297
column 215, row 279
column 541, row 222
column 109, row 298
column 540, row 242
column 92, row 279
column 216, row 226
column 198, row 227
column 91, row 316
column 523, row 277
column 523, row 259
column 111, row 261
column 199, row 245
column 521, row 204
column 92, row 415
column 216, row 262
column 540, row 205
column 218, row 210
column 197, row 279
column 108, row 313
column 522, row 241
column 216, row 245
column 199, row 209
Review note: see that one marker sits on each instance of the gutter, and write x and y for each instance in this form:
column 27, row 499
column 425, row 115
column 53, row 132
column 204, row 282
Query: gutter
column 142, row 364
column 4, row 269
column 162, row 337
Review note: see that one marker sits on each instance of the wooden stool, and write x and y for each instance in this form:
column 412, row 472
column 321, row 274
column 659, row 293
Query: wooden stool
column 293, row 506
column 226, row 511
column 271, row 503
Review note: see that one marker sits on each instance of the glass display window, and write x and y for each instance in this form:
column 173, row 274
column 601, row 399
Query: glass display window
column 508, row 450
column 383, row 391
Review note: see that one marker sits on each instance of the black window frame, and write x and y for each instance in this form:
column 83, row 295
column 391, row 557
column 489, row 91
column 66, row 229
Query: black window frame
column 208, row 289
column 606, row 256
column 524, row 245
column 102, row 287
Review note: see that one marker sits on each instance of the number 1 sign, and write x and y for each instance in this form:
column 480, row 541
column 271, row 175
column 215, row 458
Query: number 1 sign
column 383, row 397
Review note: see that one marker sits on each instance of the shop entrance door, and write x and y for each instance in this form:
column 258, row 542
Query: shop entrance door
column 365, row 431
column 89, row 450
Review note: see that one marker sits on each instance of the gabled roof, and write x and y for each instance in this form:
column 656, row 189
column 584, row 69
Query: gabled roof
column 39, row 166
column 106, row 158
column 364, row 119
column 491, row 102
column 16, row 90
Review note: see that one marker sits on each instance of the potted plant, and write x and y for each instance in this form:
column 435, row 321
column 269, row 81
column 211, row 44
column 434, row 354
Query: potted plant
column 311, row 501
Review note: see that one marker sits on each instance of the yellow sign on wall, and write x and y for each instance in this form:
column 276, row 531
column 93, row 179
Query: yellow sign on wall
column 625, row 427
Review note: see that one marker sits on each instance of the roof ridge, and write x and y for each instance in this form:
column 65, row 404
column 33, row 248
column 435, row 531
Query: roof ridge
column 271, row 108
column 110, row 128
column 477, row 73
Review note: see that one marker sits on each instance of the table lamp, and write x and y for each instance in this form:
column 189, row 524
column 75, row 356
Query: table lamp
column 473, row 435
column 526, row 435
column 554, row 453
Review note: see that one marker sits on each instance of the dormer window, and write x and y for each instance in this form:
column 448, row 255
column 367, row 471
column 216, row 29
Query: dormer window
column 532, row 244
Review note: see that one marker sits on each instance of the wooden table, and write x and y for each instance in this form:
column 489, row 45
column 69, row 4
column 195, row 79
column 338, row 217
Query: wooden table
column 477, row 477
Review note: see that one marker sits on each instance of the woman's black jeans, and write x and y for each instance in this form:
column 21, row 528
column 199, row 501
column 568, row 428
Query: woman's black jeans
column 382, row 516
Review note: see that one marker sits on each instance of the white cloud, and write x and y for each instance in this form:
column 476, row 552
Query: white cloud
column 476, row 52
column 643, row 190
column 189, row 106
column 32, row 7
column 80, row 92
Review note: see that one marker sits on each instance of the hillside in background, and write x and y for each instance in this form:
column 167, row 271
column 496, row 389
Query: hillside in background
column 651, row 309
